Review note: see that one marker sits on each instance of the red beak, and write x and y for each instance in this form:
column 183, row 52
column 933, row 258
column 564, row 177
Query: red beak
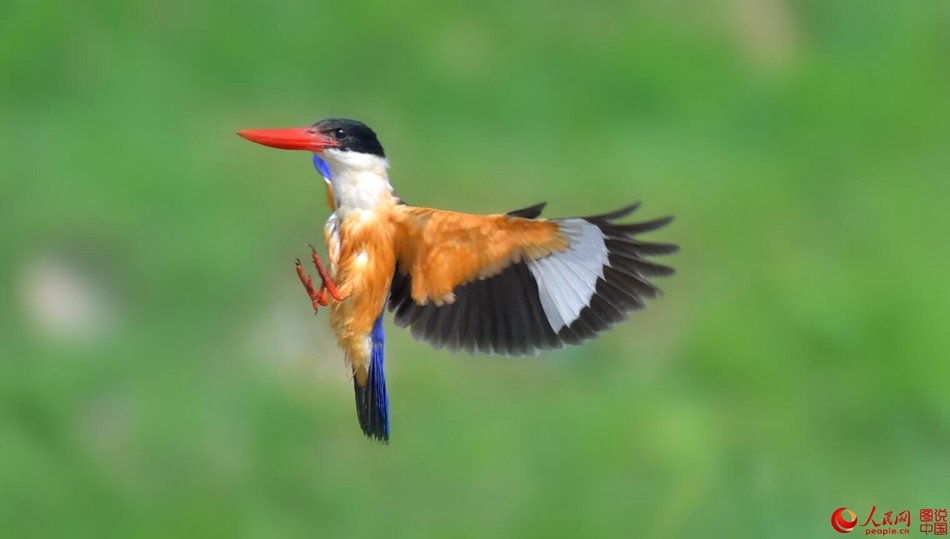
column 302, row 138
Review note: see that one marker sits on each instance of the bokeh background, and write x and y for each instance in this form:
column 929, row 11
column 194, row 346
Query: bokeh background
column 162, row 374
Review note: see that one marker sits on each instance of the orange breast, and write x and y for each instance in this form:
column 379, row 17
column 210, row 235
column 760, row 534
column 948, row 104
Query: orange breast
column 362, row 270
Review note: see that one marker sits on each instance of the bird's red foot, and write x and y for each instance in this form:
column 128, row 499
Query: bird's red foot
column 318, row 297
column 324, row 276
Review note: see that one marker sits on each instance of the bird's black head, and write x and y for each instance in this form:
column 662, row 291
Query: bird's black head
column 350, row 135
column 330, row 135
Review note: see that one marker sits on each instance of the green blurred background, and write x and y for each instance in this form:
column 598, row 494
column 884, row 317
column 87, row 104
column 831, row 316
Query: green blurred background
column 162, row 374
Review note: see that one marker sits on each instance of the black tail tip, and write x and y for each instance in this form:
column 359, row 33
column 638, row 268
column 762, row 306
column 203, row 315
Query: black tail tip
column 372, row 413
column 372, row 404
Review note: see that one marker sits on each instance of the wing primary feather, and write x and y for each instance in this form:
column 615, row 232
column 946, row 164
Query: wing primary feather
column 434, row 325
column 614, row 215
column 629, row 299
column 641, row 247
column 600, row 302
column 450, row 332
column 485, row 330
column 544, row 334
column 643, row 267
column 633, row 284
column 531, row 212
column 518, row 316
column 560, row 288
column 418, row 325
column 469, row 328
column 568, row 336
column 501, row 340
column 614, row 316
column 640, row 228
column 474, row 314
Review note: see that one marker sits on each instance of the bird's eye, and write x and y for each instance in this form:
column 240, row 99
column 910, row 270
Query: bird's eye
column 340, row 134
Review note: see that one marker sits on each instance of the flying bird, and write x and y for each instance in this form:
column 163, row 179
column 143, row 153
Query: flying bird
column 511, row 284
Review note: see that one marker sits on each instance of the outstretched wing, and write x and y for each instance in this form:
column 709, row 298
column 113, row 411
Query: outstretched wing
column 514, row 284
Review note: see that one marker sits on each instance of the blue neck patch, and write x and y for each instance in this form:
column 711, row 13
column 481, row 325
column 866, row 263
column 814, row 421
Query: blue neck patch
column 322, row 167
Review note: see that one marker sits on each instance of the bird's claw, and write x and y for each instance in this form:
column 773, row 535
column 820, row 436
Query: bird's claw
column 319, row 298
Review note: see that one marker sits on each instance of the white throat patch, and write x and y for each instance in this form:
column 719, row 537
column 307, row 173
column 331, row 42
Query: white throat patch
column 360, row 180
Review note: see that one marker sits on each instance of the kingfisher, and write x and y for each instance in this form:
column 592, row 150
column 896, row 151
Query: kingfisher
column 512, row 284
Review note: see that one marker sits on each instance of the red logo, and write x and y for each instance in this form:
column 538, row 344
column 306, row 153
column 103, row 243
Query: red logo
column 841, row 523
column 932, row 522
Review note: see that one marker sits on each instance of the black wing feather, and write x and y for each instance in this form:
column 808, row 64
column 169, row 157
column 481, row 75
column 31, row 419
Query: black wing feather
column 504, row 315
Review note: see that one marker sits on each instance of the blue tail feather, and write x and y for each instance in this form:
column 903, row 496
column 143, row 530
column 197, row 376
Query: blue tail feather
column 372, row 403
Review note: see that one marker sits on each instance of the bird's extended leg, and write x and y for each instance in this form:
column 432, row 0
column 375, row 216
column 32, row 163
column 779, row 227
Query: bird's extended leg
column 327, row 282
column 318, row 297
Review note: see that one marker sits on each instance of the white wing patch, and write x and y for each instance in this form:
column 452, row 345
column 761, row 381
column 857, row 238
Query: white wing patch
column 567, row 281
